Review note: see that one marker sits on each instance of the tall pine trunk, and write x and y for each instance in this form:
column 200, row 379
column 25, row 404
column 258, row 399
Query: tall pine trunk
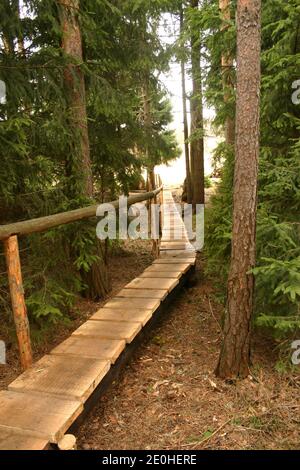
column 76, row 96
column 234, row 359
column 148, row 124
column 227, row 65
column 189, row 193
column 197, row 138
column 79, row 168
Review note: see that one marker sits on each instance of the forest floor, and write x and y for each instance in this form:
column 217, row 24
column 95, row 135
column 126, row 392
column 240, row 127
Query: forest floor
column 169, row 398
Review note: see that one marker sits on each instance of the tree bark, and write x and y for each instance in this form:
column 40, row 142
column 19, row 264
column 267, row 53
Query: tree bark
column 189, row 193
column 11, row 248
column 79, row 166
column 227, row 65
column 197, row 142
column 75, row 89
column 235, row 354
column 148, row 125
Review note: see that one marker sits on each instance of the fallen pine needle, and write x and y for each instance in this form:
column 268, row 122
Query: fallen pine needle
column 199, row 443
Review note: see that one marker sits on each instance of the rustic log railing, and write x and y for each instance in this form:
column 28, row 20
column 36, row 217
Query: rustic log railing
column 9, row 235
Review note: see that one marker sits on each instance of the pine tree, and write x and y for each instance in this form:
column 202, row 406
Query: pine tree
column 189, row 193
column 227, row 65
column 235, row 354
column 197, row 131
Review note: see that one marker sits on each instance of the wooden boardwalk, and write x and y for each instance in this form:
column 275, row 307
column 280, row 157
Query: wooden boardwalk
column 43, row 402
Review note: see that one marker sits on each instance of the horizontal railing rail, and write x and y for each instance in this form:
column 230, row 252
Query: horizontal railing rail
column 42, row 224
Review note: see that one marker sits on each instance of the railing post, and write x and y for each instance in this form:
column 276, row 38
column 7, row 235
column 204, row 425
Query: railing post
column 155, row 243
column 17, row 298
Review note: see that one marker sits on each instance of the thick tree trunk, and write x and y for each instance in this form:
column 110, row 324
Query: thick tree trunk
column 151, row 179
column 75, row 89
column 227, row 65
column 197, row 143
column 7, row 34
column 148, row 124
column 189, row 193
column 79, row 165
column 235, row 354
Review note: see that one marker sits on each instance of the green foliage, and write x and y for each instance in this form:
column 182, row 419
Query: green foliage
column 207, row 182
column 40, row 172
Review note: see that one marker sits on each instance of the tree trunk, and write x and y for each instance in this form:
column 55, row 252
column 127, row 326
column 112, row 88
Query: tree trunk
column 197, row 142
column 7, row 35
column 151, row 179
column 189, row 194
column 148, row 124
column 235, row 354
column 227, row 65
column 78, row 166
column 75, row 90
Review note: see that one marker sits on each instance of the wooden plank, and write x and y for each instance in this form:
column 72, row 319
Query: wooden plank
column 160, row 294
column 169, row 260
column 141, row 283
column 94, row 348
column 10, row 440
column 171, row 239
column 175, row 237
column 71, row 377
column 174, row 224
column 139, row 316
column 186, row 244
column 37, row 415
column 180, row 231
column 174, row 267
column 178, row 254
column 145, row 304
column 175, row 246
column 161, row 275
column 109, row 330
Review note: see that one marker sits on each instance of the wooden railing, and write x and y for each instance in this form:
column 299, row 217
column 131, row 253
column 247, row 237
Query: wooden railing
column 9, row 235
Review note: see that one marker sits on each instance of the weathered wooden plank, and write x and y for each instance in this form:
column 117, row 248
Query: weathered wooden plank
column 71, row 377
column 175, row 246
column 161, row 275
column 182, row 238
column 169, row 260
column 145, row 304
column 176, row 237
column 94, row 348
column 109, row 330
column 37, row 415
column 168, row 268
column 141, row 283
column 178, row 254
column 160, row 294
column 10, row 440
column 139, row 316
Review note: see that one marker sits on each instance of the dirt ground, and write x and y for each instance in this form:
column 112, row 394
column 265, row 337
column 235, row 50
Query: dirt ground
column 126, row 263
column 169, row 398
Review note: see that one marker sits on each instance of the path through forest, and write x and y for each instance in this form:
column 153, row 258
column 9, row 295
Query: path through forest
column 169, row 398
